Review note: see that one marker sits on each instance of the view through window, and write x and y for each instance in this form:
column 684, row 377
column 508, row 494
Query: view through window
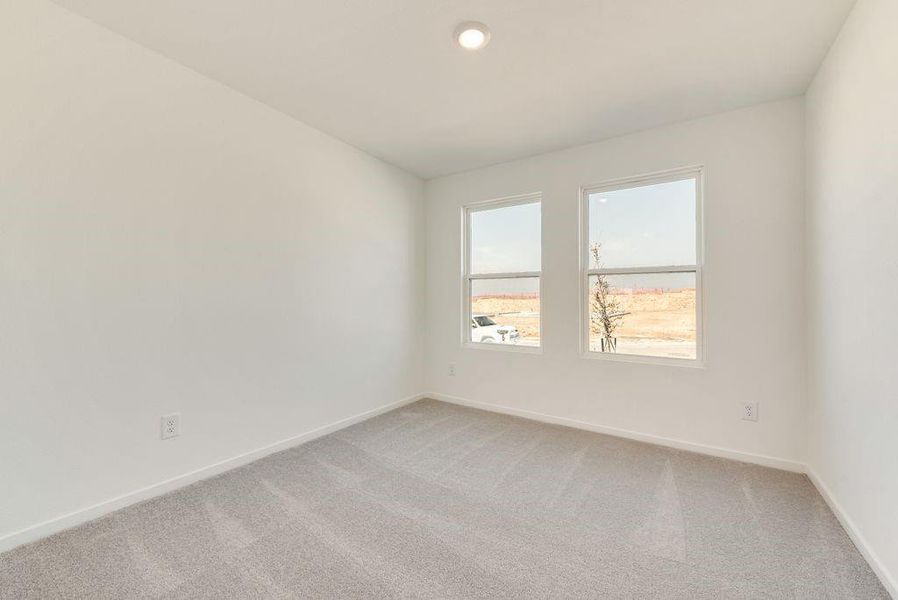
column 643, row 275
column 503, row 272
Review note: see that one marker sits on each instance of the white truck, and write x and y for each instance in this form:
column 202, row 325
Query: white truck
column 486, row 331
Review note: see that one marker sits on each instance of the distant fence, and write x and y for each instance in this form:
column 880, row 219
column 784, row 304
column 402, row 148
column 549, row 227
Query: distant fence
column 527, row 296
column 640, row 291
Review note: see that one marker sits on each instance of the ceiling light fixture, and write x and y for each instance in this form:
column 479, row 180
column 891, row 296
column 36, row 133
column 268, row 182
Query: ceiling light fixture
column 472, row 35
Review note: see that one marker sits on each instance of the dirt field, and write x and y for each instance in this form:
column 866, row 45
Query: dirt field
column 658, row 323
column 657, row 315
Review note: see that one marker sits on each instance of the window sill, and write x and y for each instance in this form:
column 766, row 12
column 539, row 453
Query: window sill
column 503, row 348
column 687, row 363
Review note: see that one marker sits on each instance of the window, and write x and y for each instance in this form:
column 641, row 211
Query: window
column 502, row 262
column 642, row 268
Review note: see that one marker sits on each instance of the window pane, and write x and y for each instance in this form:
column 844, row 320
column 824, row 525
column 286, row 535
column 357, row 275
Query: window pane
column 506, row 240
column 646, row 315
column 505, row 311
column 652, row 225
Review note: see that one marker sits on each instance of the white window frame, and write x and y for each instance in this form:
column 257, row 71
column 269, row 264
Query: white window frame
column 467, row 277
column 696, row 173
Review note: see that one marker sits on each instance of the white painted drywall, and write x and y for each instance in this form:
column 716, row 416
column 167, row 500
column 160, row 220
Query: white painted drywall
column 852, row 240
column 167, row 244
column 754, row 217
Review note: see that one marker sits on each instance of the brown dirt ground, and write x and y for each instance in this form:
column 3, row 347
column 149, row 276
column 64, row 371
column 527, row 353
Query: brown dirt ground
column 658, row 315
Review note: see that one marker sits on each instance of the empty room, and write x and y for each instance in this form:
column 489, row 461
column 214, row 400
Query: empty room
column 448, row 299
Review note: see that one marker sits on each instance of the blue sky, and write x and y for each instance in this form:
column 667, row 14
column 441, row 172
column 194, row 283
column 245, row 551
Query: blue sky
column 646, row 226
column 506, row 239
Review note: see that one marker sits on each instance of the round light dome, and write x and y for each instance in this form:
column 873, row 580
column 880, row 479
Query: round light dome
column 472, row 35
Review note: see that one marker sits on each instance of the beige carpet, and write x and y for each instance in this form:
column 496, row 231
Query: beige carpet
column 438, row 501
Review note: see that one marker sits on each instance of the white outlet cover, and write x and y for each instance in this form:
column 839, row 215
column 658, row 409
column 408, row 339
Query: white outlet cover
column 750, row 411
column 451, row 370
column 171, row 426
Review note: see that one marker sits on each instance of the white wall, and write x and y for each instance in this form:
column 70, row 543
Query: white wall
column 754, row 215
column 167, row 244
column 852, row 231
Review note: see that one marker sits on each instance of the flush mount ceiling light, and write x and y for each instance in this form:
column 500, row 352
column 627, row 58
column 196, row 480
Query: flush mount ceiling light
column 472, row 35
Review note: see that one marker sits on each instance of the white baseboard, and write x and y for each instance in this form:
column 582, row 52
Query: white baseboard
column 758, row 459
column 888, row 581
column 67, row 521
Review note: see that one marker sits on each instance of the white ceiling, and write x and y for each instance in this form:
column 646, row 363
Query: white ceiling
column 385, row 75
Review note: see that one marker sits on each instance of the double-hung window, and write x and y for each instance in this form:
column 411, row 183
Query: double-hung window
column 642, row 268
column 502, row 262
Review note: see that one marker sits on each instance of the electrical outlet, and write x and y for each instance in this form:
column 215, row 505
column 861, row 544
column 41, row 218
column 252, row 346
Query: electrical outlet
column 171, row 425
column 750, row 411
column 452, row 370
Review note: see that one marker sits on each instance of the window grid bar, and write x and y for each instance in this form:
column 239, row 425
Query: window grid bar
column 644, row 270
column 512, row 275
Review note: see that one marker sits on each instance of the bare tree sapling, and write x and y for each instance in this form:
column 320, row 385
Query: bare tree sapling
column 604, row 313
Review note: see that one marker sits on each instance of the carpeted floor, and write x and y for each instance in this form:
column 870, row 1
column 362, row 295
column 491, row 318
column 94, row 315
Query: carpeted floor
column 439, row 501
